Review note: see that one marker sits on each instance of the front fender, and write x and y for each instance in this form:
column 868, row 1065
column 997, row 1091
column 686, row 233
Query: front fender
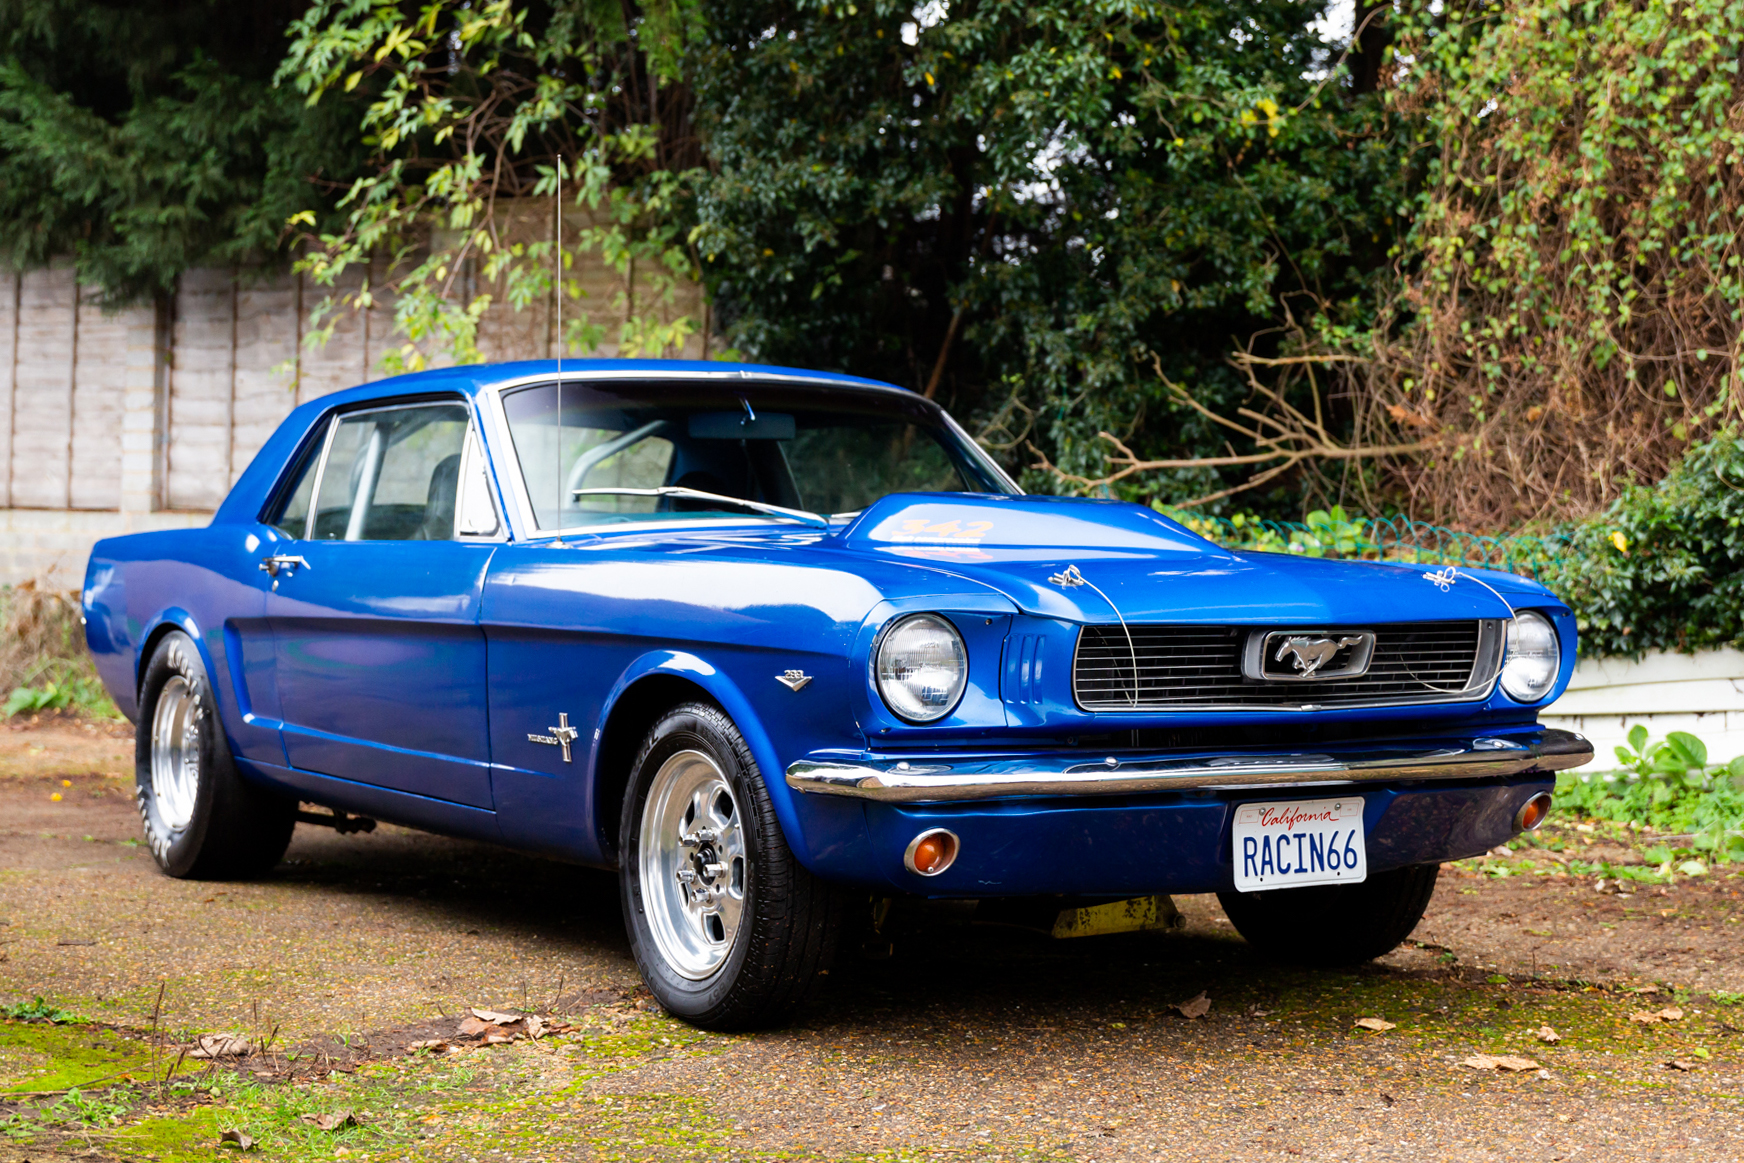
column 813, row 830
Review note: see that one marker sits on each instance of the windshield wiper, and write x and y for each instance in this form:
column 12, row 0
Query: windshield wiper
column 698, row 495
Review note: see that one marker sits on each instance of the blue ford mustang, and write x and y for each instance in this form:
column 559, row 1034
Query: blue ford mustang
column 775, row 644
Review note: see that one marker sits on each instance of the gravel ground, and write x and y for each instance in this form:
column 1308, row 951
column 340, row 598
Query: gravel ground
column 971, row 1042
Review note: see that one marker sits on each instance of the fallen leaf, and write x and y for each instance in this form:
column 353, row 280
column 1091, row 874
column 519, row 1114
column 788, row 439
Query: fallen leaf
column 1668, row 1014
column 494, row 1017
column 1376, row 1024
column 1193, row 1007
column 1680, row 1064
column 497, row 1038
column 472, row 1027
column 535, row 1027
column 336, row 1121
column 241, row 1140
column 1645, row 989
column 220, row 1046
column 1546, row 1034
column 434, row 1045
column 1499, row 1062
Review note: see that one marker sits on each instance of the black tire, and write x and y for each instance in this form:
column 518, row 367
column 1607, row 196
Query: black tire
column 788, row 921
column 1334, row 924
column 223, row 827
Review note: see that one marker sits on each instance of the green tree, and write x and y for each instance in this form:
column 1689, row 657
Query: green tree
column 1047, row 213
column 143, row 139
column 471, row 105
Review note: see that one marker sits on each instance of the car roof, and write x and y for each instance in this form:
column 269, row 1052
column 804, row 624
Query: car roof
column 471, row 379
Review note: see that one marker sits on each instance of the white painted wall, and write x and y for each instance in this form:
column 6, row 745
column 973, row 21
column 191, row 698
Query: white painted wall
column 1700, row 693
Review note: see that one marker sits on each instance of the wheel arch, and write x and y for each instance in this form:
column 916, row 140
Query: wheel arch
column 159, row 628
column 655, row 684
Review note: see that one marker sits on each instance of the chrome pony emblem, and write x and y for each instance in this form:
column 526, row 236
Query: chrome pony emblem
column 793, row 680
column 1293, row 656
column 561, row 735
column 1067, row 578
column 1313, row 653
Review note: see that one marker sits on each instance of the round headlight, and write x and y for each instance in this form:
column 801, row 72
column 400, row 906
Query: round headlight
column 922, row 667
column 1532, row 658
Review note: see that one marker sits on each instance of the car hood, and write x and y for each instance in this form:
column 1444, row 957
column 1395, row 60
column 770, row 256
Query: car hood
column 1084, row 560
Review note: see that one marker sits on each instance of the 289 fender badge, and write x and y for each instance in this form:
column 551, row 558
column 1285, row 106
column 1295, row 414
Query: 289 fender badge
column 793, row 680
column 561, row 735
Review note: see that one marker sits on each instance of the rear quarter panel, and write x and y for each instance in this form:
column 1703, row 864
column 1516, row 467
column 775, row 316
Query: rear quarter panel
column 199, row 581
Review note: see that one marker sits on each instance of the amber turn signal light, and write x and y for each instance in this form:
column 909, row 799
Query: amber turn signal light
column 1532, row 813
column 931, row 852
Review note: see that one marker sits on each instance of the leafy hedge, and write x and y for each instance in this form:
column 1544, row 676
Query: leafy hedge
column 1663, row 567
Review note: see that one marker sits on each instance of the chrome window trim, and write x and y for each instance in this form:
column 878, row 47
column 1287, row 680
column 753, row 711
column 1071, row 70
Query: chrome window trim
column 1488, row 653
column 526, row 525
column 332, row 422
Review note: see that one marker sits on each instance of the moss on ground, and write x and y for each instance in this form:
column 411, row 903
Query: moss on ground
column 555, row 1098
column 523, row 1099
column 47, row 1056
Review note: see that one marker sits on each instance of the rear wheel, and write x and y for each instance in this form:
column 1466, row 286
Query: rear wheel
column 201, row 819
column 729, row 930
column 1334, row 924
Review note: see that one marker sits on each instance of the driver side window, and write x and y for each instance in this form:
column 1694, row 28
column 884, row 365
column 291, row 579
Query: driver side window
column 406, row 473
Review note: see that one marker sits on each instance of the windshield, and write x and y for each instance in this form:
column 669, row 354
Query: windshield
column 820, row 450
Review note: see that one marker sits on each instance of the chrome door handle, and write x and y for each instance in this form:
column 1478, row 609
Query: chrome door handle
column 285, row 561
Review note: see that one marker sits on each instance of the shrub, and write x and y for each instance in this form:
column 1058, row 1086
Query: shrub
column 1663, row 567
column 43, row 662
column 1670, row 786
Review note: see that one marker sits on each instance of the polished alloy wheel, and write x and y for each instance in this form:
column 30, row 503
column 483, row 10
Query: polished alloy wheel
column 692, row 864
column 175, row 754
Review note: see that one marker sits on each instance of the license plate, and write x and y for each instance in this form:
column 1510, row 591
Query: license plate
column 1299, row 843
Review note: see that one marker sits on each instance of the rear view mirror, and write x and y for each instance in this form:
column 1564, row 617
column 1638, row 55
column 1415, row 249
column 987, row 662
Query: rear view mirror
column 739, row 426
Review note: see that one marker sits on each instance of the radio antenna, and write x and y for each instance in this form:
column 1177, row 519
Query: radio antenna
column 557, row 262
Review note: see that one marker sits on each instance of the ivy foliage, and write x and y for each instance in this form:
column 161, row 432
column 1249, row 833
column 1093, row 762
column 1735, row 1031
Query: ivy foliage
column 1015, row 206
column 1662, row 568
column 1571, row 299
column 476, row 106
column 143, row 139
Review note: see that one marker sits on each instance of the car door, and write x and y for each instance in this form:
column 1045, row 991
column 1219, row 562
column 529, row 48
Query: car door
column 379, row 658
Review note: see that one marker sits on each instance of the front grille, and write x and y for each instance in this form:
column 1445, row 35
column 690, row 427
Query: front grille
column 1201, row 666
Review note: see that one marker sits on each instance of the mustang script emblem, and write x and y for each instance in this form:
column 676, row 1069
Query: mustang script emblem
column 793, row 680
column 561, row 735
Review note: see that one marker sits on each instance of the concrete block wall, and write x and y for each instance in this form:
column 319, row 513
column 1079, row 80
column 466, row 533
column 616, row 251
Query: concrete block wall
column 50, row 546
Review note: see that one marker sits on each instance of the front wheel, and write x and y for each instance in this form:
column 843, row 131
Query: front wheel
column 729, row 930
column 201, row 819
column 1334, row 924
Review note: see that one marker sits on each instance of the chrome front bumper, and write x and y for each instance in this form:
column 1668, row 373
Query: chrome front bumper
column 911, row 782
